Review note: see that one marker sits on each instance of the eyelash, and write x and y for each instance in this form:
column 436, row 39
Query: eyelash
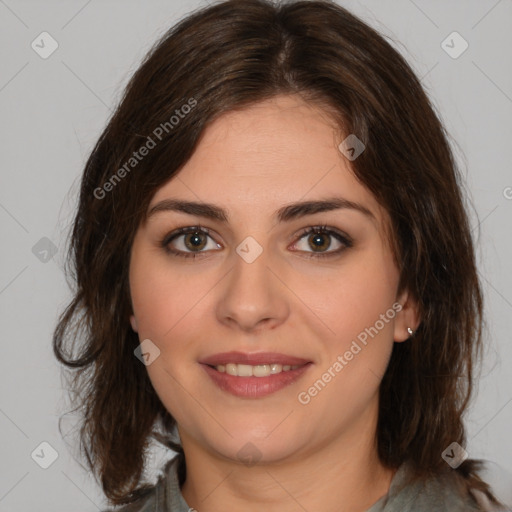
column 323, row 229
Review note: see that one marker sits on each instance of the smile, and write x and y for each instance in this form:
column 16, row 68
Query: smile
column 258, row 381
column 259, row 370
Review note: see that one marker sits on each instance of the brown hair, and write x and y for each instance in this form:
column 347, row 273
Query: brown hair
column 229, row 56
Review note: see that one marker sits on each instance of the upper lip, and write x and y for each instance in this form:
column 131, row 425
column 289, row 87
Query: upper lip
column 252, row 359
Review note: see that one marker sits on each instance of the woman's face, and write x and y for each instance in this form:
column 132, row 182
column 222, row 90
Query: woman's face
column 261, row 286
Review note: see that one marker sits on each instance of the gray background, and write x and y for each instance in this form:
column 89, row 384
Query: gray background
column 52, row 111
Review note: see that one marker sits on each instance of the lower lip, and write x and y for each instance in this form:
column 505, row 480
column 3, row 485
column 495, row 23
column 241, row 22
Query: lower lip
column 254, row 387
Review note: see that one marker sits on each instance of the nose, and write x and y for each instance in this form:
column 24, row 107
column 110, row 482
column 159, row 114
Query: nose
column 252, row 296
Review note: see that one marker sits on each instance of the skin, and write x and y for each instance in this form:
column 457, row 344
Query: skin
column 319, row 456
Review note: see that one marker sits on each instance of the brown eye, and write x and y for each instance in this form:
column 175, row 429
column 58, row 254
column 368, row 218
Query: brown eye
column 320, row 239
column 188, row 242
column 194, row 241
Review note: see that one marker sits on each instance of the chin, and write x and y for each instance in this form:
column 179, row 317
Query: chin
column 252, row 448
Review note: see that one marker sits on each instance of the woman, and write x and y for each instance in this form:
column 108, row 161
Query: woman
column 275, row 276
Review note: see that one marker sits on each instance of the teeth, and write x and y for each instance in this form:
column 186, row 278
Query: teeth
column 260, row 370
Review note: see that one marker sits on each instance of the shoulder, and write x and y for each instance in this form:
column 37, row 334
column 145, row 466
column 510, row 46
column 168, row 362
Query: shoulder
column 500, row 483
column 498, row 480
column 444, row 491
column 154, row 500
column 146, row 504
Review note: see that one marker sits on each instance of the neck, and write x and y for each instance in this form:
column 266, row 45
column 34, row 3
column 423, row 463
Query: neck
column 343, row 475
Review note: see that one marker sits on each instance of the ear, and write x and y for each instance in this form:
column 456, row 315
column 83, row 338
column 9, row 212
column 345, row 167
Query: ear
column 408, row 316
column 133, row 322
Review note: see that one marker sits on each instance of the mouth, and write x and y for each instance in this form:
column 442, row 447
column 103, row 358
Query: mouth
column 253, row 359
column 254, row 375
column 259, row 370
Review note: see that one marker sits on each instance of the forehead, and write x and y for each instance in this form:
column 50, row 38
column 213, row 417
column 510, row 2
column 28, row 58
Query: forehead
column 276, row 152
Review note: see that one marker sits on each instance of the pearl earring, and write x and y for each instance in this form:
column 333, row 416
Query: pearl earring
column 410, row 331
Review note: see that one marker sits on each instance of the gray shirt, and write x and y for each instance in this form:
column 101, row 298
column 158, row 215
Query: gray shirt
column 436, row 494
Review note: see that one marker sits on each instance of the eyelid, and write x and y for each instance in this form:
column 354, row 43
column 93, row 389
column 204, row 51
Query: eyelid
column 324, row 229
column 168, row 238
column 342, row 237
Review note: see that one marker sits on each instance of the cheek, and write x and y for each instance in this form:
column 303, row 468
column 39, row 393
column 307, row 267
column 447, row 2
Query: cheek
column 161, row 297
column 356, row 352
column 163, row 303
column 354, row 298
column 357, row 306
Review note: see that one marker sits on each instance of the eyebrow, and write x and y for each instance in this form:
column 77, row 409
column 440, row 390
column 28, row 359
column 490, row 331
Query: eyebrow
column 285, row 214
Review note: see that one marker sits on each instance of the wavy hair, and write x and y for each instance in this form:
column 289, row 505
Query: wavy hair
column 228, row 56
